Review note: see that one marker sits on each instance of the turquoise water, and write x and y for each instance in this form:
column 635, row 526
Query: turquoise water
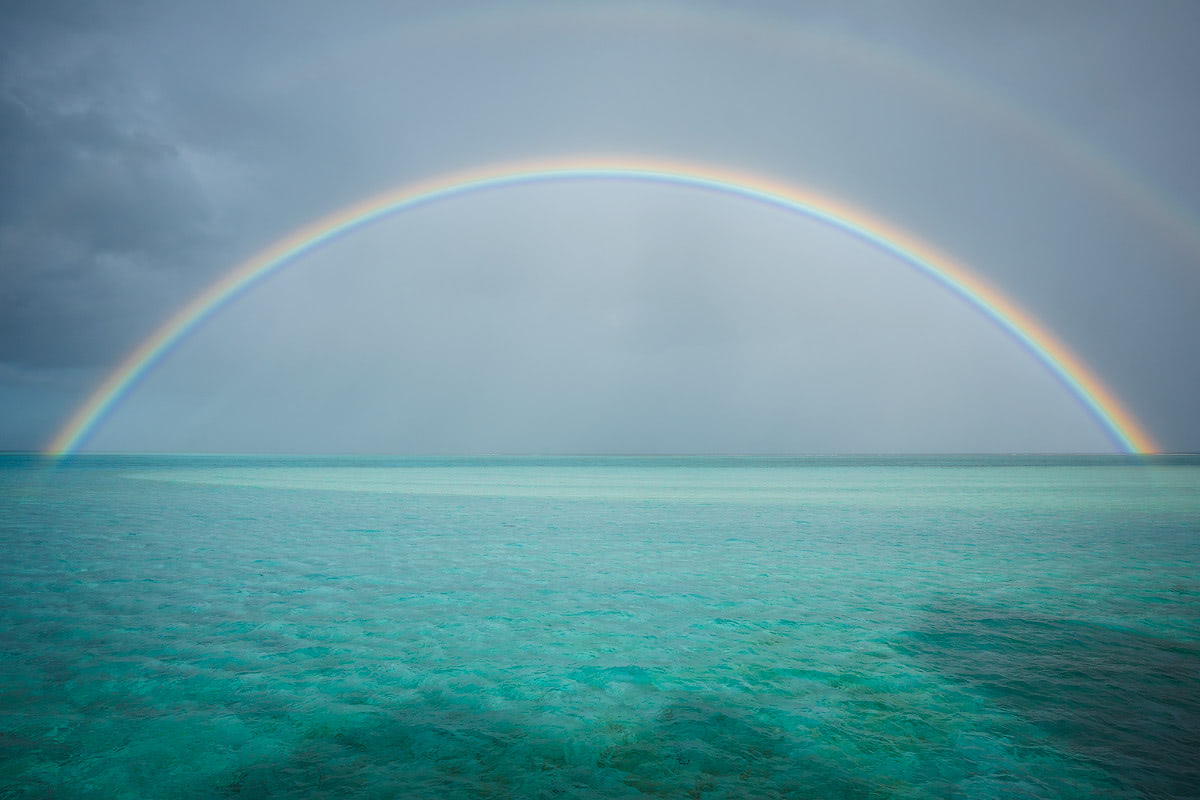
column 912, row 628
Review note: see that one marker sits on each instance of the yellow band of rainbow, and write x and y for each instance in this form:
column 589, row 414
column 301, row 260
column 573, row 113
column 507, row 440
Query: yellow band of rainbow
column 1124, row 429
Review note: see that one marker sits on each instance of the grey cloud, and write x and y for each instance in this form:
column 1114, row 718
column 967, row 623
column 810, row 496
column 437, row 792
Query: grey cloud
column 98, row 211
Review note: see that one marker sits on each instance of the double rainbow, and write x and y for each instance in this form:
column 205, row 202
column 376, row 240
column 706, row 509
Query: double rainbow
column 1124, row 429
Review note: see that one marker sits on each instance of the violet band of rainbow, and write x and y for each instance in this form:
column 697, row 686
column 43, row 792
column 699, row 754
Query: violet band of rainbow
column 1125, row 431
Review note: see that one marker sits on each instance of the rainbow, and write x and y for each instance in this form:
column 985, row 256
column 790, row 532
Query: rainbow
column 1123, row 428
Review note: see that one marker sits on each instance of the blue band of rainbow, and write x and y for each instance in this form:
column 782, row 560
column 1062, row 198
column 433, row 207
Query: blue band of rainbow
column 1123, row 428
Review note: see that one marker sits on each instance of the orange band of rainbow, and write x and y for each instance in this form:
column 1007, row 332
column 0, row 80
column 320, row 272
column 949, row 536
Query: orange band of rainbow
column 1124, row 429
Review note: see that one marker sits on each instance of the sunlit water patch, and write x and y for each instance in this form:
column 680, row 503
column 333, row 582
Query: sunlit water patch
column 179, row 627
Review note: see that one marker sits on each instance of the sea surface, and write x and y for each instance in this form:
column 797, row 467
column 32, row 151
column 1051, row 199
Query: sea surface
column 966, row 627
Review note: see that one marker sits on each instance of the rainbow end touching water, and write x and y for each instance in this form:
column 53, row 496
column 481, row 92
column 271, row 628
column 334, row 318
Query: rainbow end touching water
column 1123, row 428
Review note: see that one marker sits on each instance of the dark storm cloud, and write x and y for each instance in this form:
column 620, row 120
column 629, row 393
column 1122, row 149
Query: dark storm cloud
column 79, row 175
column 98, row 207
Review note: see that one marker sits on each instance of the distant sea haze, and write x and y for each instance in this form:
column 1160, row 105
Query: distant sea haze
column 600, row 627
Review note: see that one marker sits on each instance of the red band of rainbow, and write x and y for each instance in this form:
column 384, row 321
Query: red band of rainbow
column 1123, row 428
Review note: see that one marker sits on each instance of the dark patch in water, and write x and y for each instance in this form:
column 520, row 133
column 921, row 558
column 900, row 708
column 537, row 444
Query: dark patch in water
column 436, row 748
column 1127, row 702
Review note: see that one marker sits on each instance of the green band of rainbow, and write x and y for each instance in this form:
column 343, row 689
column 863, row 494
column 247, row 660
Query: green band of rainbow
column 1126, row 432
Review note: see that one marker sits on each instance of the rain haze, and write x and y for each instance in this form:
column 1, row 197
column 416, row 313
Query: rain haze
column 149, row 149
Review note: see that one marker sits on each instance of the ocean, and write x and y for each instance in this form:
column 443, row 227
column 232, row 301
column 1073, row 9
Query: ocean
column 932, row 627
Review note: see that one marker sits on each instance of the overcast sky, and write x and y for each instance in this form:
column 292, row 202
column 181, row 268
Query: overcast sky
column 149, row 147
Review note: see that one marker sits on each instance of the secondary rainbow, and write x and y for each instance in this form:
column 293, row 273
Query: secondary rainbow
column 1123, row 428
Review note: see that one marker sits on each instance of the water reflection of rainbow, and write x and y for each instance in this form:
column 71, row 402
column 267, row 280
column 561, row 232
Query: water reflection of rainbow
column 1125, row 430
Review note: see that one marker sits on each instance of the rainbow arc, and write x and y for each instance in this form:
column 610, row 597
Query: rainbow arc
column 1126, row 432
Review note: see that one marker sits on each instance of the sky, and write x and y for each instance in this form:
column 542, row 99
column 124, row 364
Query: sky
column 149, row 148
